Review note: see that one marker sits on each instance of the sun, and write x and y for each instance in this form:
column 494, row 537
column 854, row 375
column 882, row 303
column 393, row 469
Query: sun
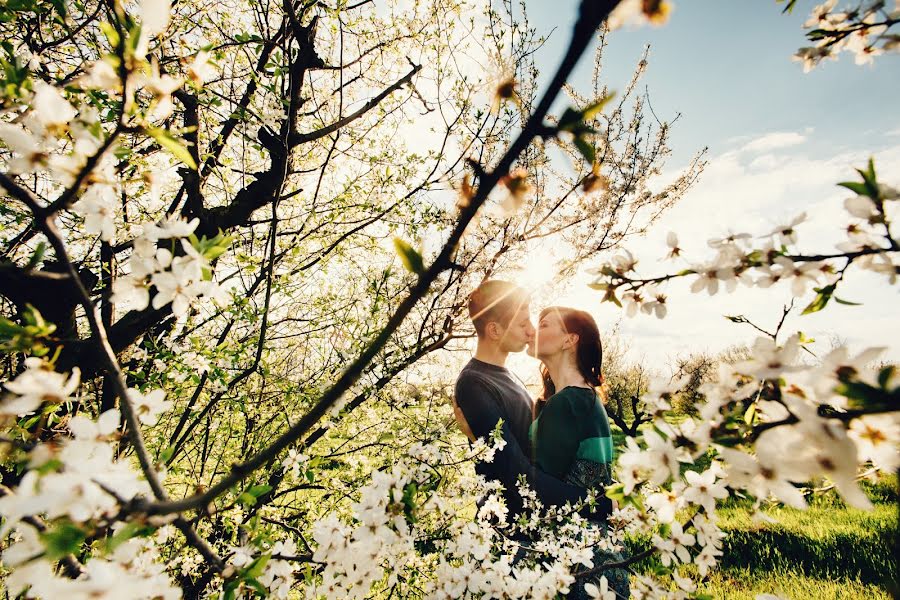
column 537, row 271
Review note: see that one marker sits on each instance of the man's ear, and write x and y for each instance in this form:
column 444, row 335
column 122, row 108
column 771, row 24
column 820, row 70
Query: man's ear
column 492, row 329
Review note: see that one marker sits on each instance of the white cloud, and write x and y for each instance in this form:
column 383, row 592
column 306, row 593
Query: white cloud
column 773, row 141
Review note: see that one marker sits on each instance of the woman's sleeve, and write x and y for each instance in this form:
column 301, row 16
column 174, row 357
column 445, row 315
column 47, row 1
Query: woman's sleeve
column 593, row 459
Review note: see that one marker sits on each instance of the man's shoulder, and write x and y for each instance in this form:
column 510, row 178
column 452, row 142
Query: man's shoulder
column 471, row 376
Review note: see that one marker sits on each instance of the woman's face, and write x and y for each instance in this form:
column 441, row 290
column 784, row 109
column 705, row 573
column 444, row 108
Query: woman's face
column 550, row 338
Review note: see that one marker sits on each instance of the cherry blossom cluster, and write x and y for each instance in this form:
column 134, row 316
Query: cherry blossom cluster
column 73, row 485
column 772, row 425
column 739, row 258
column 53, row 137
column 863, row 31
column 483, row 556
column 132, row 570
column 178, row 280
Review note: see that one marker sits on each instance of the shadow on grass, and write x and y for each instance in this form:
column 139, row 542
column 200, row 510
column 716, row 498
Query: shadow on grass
column 868, row 559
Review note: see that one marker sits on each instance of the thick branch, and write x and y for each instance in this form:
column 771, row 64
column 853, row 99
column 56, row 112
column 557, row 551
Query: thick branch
column 302, row 138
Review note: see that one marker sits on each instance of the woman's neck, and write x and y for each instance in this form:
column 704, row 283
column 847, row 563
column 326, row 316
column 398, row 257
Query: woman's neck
column 564, row 372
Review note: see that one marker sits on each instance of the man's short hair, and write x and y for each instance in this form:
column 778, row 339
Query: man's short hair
column 495, row 301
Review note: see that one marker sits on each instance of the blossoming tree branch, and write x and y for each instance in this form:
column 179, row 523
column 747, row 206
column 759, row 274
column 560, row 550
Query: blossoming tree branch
column 223, row 247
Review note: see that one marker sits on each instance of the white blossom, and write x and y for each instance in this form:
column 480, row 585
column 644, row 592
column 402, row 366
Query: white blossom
column 877, row 438
column 37, row 385
column 787, row 234
column 98, row 207
column 150, row 405
column 155, row 16
column 704, row 489
column 49, row 110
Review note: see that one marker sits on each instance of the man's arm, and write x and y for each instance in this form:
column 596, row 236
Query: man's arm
column 475, row 399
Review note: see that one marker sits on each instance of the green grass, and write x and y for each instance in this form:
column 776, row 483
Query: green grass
column 826, row 551
column 745, row 583
column 829, row 551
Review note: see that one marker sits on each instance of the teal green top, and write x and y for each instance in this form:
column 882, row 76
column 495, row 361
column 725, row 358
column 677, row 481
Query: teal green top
column 572, row 428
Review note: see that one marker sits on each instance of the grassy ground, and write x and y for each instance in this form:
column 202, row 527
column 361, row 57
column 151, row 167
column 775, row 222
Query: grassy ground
column 829, row 551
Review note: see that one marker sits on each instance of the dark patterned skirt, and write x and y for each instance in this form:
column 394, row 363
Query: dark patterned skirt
column 617, row 579
column 586, row 473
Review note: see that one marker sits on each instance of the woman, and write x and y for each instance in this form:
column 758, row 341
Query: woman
column 570, row 433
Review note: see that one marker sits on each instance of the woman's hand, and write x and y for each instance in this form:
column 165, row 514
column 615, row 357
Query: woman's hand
column 461, row 421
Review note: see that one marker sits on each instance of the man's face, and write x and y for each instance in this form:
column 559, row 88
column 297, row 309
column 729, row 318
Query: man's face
column 518, row 333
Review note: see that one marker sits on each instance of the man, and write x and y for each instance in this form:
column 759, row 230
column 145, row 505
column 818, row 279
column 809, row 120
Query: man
column 487, row 392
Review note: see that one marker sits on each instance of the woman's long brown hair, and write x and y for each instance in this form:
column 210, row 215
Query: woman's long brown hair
column 588, row 351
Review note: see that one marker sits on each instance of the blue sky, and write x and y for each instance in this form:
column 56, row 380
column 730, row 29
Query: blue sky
column 726, row 66
column 778, row 141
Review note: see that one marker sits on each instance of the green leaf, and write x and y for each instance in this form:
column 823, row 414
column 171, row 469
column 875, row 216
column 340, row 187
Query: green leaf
column 570, row 118
column 870, row 181
column 124, row 534
column 112, row 36
column 166, row 454
column 855, row 187
column 821, row 300
column 60, row 6
column 62, row 540
column 616, row 492
column 847, row 302
column 249, row 496
column 586, row 149
column 258, row 587
column 258, row 490
column 750, row 414
column 51, row 466
column 256, row 567
column 167, row 142
column 591, row 111
column 228, row 589
column 37, row 256
column 409, row 501
column 870, row 172
column 409, row 256
column 790, row 6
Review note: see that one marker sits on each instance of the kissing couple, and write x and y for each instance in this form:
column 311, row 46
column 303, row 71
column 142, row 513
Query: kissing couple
column 561, row 442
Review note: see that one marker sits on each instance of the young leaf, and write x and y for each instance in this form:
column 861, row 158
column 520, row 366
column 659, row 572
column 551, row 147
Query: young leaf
column 410, row 257
column 585, row 148
column 112, row 36
column 258, row 490
column 750, row 414
column 821, row 300
column 570, row 118
column 847, row 302
column 62, row 540
column 594, row 109
column 856, row 187
column 885, row 375
column 37, row 256
column 790, row 6
column 167, row 142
